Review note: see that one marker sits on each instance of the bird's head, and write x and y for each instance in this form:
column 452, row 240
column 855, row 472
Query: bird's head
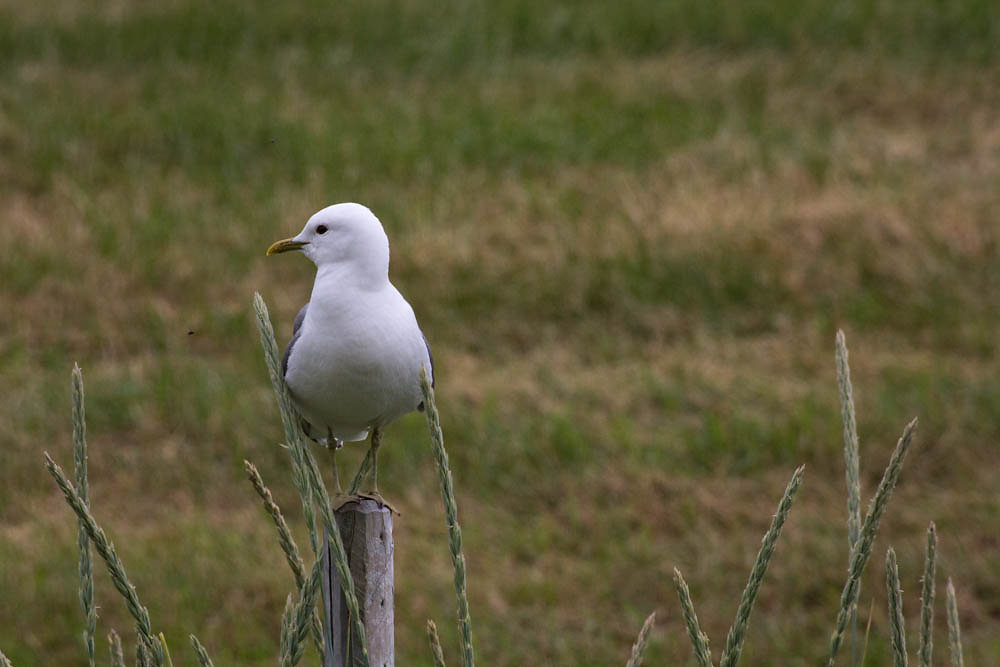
column 344, row 236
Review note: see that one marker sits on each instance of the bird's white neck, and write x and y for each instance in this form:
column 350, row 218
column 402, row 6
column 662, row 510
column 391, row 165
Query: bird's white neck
column 339, row 278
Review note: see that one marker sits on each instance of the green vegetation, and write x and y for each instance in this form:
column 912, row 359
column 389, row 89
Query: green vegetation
column 630, row 231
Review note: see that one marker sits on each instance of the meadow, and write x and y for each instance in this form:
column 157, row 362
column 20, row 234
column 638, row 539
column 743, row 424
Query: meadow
column 630, row 231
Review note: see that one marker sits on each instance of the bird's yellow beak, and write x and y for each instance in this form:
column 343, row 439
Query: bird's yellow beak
column 286, row 245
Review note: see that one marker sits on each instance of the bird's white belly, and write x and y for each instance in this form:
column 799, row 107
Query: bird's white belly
column 352, row 374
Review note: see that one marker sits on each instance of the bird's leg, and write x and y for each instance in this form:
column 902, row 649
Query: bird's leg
column 373, row 494
column 333, row 444
column 337, row 489
column 375, row 443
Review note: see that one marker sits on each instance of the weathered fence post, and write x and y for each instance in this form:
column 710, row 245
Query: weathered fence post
column 366, row 530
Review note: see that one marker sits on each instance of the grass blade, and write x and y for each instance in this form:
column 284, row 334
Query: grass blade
column 862, row 550
column 338, row 553
column 114, row 564
column 852, row 465
column 435, row 641
column 927, row 600
column 115, row 649
column 289, row 418
column 305, row 472
column 293, row 639
column 287, row 630
column 451, row 517
column 166, row 651
column 851, row 456
column 897, row 632
column 203, row 658
column 86, row 567
column 954, row 630
column 635, row 660
column 702, row 653
column 734, row 641
column 141, row 654
column 288, row 545
column 868, row 631
column 285, row 538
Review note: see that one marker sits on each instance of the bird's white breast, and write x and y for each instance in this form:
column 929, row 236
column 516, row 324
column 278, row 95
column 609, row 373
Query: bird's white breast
column 357, row 362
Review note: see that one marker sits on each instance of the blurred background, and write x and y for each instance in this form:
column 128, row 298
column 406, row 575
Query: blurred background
column 630, row 231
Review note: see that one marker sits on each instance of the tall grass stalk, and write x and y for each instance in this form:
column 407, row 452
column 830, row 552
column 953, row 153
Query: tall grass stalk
column 451, row 516
column 86, row 567
column 203, row 659
column 851, row 453
column 115, row 649
column 852, row 465
column 285, row 538
column 435, row 642
column 288, row 546
column 734, row 641
column 166, row 651
column 927, row 600
column 635, row 659
column 868, row 632
column 296, row 626
column 896, row 629
column 289, row 419
column 114, row 564
column 699, row 640
column 954, row 630
column 337, row 550
column 862, row 550
column 287, row 631
column 306, row 473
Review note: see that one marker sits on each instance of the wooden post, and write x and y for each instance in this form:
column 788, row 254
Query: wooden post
column 366, row 529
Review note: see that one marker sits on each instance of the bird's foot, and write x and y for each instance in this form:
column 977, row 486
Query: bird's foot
column 377, row 497
column 342, row 499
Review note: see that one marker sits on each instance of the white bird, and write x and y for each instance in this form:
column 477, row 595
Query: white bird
column 353, row 363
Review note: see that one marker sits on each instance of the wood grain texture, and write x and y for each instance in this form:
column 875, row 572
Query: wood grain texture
column 366, row 530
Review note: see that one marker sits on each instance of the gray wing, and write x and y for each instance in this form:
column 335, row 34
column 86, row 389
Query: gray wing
column 430, row 356
column 296, row 332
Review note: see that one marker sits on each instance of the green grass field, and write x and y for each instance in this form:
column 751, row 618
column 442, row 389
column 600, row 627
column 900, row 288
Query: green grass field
column 630, row 231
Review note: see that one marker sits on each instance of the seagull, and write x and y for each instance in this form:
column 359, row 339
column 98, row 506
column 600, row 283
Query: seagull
column 353, row 363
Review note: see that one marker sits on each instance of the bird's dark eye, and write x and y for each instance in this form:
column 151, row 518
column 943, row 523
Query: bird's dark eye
column 321, row 229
